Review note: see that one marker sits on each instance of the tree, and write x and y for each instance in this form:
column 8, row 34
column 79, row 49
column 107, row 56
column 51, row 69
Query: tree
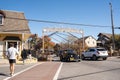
column 37, row 43
column 117, row 42
column 56, row 48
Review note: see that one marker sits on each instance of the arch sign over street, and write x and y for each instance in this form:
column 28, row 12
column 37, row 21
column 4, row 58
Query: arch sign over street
column 58, row 29
column 62, row 30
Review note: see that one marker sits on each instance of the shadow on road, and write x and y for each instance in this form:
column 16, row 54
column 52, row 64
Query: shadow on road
column 2, row 74
column 88, row 74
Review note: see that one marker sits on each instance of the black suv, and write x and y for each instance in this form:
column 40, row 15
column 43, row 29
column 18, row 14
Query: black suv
column 69, row 55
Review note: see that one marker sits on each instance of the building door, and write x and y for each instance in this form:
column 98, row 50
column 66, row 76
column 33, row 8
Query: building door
column 16, row 44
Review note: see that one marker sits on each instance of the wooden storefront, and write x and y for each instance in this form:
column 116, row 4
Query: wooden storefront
column 20, row 40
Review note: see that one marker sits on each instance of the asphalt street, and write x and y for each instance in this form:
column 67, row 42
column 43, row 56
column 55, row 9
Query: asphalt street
column 91, row 70
column 84, row 70
column 4, row 69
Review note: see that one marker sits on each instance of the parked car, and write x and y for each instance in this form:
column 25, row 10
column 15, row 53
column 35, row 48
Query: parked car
column 95, row 53
column 69, row 55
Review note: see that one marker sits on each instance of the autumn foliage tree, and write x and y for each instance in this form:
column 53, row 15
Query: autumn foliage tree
column 117, row 41
column 37, row 43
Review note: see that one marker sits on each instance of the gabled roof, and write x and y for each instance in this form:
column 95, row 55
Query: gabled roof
column 86, row 37
column 12, row 38
column 14, row 25
column 108, row 35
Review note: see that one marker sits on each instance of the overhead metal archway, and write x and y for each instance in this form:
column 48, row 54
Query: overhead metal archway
column 63, row 30
column 67, row 30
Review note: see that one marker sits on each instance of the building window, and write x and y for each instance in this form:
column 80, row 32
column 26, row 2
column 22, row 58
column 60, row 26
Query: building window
column 93, row 42
column 1, row 19
column 88, row 42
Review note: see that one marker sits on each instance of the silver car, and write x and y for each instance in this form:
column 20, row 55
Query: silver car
column 95, row 53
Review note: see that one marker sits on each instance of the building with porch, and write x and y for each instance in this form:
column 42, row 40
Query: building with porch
column 13, row 28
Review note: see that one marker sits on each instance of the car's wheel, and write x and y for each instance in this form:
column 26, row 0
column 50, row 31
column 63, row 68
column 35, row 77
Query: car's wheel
column 94, row 57
column 61, row 58
column 82, row 57
column 105, row 58
column 68, row 59
column 79, row 60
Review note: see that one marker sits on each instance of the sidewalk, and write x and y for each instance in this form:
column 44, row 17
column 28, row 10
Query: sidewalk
column 3, row 61
column 115, row 57
column 44, row 71
column 27, row 61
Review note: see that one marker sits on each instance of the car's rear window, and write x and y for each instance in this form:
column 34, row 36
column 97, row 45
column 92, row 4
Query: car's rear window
column 101, row 49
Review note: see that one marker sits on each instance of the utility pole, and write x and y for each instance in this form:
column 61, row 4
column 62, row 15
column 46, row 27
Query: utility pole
column 43, row 41
column 113, row 36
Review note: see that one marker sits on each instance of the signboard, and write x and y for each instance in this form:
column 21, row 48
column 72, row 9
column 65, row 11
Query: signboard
column 62, row 30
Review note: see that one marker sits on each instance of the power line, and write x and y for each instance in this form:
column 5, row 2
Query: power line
column 67, row 23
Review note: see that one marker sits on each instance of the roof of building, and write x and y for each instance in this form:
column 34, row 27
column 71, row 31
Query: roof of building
column 12, row 38
column 105, row 34
column 14, row 22
column 86, row 37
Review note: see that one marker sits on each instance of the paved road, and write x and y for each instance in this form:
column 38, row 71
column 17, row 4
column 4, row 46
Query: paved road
column 91, row 70
column 85, row 70
column 39, row 71
column 4, row 69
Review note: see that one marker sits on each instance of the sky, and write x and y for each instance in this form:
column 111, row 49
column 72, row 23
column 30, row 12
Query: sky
column 88, row 12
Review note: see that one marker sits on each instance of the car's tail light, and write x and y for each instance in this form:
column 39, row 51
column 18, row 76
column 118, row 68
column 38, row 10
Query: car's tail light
column 98, row 52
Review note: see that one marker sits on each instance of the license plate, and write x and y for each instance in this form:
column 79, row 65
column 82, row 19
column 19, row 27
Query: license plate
column 103, row 52
column 71, row 59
